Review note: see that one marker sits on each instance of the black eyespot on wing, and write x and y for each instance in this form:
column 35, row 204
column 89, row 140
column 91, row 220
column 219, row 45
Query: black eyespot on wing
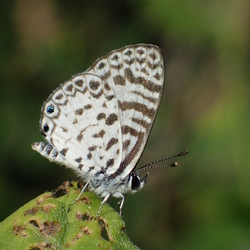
column 50, row 109
column 46, row 128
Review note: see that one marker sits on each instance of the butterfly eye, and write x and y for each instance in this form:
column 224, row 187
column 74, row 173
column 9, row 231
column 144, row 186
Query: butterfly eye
column 45, row 128
column 50, row 109
column 135, row 182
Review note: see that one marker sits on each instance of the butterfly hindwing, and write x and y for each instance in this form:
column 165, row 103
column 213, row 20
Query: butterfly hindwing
column 80, row 120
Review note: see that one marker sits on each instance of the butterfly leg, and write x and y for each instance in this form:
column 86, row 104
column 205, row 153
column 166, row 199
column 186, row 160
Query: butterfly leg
column 83, row 189
column 121, row 204
column 104, row 200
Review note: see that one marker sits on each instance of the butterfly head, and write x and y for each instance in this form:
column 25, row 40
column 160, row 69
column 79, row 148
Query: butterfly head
column 136, row 182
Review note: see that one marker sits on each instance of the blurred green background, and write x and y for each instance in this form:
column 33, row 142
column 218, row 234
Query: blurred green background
column 202, row 204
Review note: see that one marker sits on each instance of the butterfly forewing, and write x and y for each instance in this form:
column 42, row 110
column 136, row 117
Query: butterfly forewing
column 136, row 75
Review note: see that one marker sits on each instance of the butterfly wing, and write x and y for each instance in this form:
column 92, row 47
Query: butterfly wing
column 136, row 75
column 100, row 120
column 80, row 121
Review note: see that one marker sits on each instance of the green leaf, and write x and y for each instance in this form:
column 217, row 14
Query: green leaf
column 47, row 223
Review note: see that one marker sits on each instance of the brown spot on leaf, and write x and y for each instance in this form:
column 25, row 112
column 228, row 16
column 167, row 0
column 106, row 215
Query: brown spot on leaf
column 83, row 217
column 31, row 211
column 43, row 198
column 19, row 230
column 86, row 230
column 86, row 200
column 50, row 229
column 47, row 207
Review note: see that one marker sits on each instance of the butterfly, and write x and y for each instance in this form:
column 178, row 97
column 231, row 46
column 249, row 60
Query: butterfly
column 98, row 122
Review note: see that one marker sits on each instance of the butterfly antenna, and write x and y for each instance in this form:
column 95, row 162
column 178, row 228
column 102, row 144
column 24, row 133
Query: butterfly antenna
column 148, row 166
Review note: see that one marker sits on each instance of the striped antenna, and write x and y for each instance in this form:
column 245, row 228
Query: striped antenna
column 175, row 164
